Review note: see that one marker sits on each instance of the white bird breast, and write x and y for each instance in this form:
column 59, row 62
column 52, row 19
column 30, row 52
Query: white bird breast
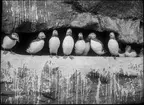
column 68, row 45
column 87, row 48
column 36, row 46
column 8, row 43
column 79, row 47
column 132, row 54
column 113, row 47
column 54, row 44
column 96, row 46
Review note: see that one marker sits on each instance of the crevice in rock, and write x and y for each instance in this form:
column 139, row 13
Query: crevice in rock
column 26, row 38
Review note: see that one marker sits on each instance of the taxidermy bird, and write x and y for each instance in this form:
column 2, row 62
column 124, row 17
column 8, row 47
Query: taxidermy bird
column 68, row 43
column 54, row 43
column 113, row 45
column 130, row 52
column 9, row 41
column 80, row 45
column 37, row 44
column 96, row 45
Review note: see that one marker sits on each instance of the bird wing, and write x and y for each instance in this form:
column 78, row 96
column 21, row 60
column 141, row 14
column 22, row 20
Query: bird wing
column 100, row 43
column 35, row 40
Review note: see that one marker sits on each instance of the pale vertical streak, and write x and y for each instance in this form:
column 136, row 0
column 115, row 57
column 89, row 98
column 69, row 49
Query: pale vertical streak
column 67, row 95
column 58, row 89
column 113, row 95
column 76, row 87
column 20, row 11
column 28, row 9
column 141, row 82
column 36, row 10
column 13, row 13
column 56, row 83
column 31, row 12
column 16, row 14
column 81, row 91
column 6, row 2
column 25, row 10
column 33, row 90
column 98, row 92
column 23, row 18
column 16, row 86
column 46, row 12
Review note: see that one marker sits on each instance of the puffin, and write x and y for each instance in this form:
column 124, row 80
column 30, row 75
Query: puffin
column 37, row 44
column 68, row 43
column 9, row 41
column 54, row 43
column 113, row 45
column 130, row 52
column 87, row 46
column 80, row 45
column 96, row 45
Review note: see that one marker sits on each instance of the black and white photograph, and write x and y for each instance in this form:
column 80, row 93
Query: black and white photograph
column 72, row 52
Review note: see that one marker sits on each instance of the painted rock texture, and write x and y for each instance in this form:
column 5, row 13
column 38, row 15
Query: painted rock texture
column 91, row 80
column 123, row 17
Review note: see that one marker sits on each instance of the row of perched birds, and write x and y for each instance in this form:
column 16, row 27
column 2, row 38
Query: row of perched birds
column 81, row 47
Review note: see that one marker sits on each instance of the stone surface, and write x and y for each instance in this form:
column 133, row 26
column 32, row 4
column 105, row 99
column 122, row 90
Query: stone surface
column 97, row 80
column 122, row 17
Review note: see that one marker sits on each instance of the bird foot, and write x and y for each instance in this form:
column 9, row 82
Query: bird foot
column 71, row 57
column 65, row 57
column 57, row 56
column 115, row 57
column 32, row 55
column 13, row 53
column 5, row 52
column 51, row 56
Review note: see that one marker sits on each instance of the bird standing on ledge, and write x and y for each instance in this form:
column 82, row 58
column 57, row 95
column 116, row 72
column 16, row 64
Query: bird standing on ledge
column 68, row 43
column 113, row 45
column 54, row 43
column 10, row 41
column 96, row 44
column 80, row 45
column 37, row 44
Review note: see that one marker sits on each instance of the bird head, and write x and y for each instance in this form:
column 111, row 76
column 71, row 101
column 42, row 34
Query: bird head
column 80, row 35
column 112, row 35
column 128, row 48
column 92, row 36
column 69, row 32
column 15, row 36
column 55, row 33
column 41, row 35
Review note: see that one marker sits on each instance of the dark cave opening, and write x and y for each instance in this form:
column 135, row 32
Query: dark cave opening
column 26, row 38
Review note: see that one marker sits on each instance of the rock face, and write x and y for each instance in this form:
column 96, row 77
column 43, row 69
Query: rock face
column 123, row 17
column 91, row 80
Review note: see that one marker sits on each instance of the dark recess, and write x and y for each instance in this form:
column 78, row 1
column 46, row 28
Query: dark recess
column 26, row 38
